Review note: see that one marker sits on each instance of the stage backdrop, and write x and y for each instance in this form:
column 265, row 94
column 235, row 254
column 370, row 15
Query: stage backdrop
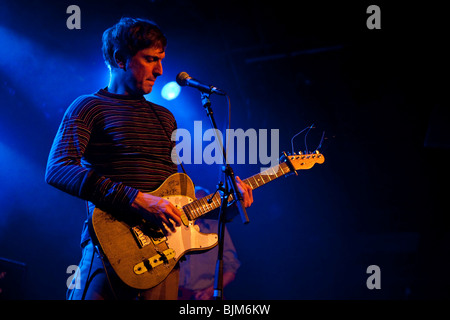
column 367, row 81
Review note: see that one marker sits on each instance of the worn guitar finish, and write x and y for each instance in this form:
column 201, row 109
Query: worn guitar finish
column 141, row 255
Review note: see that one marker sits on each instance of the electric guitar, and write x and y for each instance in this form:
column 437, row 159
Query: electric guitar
column 142, row 255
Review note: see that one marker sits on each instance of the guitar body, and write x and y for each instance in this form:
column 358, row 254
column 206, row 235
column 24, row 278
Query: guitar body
column 138, row 252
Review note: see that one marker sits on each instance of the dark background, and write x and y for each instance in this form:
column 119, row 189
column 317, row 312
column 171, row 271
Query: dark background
column 380, row 198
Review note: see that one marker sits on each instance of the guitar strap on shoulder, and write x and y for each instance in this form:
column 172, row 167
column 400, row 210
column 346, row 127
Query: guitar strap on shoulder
column 167, row 134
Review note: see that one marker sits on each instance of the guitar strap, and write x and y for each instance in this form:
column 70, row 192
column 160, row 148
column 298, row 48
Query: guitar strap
column 167, row 134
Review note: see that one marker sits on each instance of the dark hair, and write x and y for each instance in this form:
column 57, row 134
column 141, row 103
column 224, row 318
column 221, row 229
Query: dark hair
column 130, row 35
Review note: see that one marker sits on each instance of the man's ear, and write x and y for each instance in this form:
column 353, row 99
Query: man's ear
column 120, row 60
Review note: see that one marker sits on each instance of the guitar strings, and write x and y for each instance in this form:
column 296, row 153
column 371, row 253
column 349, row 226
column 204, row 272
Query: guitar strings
column 321, row 141
column 305, row 141
column 292, row 139
column 306, row 134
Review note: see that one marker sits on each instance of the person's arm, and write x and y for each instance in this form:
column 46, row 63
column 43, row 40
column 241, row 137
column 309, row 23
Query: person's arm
column 65, row 172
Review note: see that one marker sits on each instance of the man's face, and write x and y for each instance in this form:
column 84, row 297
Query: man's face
column 143, row 69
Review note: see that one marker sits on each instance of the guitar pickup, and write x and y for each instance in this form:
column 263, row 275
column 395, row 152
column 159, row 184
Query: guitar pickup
column 156, row 236
column 154, row 261
column 142, row 239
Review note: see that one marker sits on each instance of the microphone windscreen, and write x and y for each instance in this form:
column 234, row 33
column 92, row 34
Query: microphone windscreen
column 181, row 78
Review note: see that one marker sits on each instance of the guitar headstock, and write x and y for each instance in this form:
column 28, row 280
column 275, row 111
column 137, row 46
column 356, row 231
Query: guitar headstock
column 303, row 160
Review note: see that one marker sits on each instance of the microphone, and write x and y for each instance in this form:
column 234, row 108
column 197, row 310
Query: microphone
column 183, row 79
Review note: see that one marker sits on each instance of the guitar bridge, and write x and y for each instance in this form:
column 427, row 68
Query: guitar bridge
column 153, row 262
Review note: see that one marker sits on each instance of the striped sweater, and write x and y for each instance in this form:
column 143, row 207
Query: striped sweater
column 108, row 147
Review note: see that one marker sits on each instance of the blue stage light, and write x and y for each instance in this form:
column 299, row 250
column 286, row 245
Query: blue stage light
column 170, row 90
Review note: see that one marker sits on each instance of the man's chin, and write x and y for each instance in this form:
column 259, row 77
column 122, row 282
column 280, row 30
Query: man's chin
column 147, row 90
column 142, row 92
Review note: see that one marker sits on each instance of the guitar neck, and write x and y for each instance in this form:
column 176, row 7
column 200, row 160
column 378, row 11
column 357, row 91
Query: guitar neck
column 267, row 175
column 200, row 207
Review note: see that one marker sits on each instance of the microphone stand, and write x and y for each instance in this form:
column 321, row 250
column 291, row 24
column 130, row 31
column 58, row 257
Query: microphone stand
column 229, row 188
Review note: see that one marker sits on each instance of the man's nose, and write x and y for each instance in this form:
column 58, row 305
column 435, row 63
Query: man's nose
column 158, row 70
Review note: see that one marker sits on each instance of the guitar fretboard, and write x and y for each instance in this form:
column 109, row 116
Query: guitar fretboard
column 202, row 206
